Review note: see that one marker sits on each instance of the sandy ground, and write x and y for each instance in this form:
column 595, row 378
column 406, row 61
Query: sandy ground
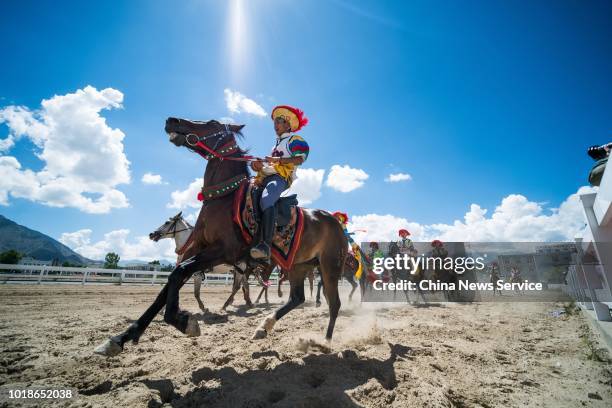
column 448, row 355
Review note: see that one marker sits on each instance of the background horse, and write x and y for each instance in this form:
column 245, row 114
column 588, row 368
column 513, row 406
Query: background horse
column 283, row 278
column 398, row 275
column 217, row 239
column 351, row 264
column 241, row 280
column 180, row 230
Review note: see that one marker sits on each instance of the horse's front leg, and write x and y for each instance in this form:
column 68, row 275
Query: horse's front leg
column 261, row 292
column 114, row 345
column 235, row 288
column 183, row 320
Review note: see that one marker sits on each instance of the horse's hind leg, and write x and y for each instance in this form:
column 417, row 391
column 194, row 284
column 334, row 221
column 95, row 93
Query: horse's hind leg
column 197, row 284
column 311, row 281
column 319, row 286
column 296, row 298
column 354, row 285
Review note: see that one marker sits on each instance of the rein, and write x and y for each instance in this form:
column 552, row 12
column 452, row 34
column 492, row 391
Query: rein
column 224, row 152
column 180, row 251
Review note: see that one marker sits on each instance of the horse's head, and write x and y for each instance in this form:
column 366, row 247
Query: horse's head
column 201, row 137
column 169, row 228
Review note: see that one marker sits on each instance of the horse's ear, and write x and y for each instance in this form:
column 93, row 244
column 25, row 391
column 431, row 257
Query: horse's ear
column 178, row 215
column 236, row 128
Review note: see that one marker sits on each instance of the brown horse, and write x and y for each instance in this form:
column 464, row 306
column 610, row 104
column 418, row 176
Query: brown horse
column 217, row 240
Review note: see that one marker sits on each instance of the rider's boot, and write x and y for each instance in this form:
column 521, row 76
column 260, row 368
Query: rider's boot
column 262, row 249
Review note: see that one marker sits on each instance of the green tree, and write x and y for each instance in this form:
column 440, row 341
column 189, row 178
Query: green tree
column 111, row 261
column 155, row 262
column 10, row 257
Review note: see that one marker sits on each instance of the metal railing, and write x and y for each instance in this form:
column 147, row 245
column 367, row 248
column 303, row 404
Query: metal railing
column 44, row 274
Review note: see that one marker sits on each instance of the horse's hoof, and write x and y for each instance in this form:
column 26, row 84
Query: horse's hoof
column 318, row 304
column 259, row 334
column 193, row 328
column 108, row 349
column 265, row 327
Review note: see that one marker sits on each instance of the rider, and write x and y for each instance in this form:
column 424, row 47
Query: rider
column 405, row 244
column 438, row 250
column 343, row 220
column 277, row 172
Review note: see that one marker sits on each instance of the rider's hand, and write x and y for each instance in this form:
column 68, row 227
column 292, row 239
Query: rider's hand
column 271, row 159
column 257, row 165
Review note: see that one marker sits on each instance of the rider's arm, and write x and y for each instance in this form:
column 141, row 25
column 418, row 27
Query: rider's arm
column 297, row 160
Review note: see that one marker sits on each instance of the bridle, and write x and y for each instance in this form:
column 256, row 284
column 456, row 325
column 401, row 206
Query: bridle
column 224, row 152
column 229, row 151
column 174, row 229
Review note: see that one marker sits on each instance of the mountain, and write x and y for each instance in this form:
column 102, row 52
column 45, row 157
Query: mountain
column 35, row 244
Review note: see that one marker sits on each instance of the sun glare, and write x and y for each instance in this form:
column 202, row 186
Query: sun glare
column 237, row 34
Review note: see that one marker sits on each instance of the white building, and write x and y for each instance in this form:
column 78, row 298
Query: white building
column 590, row 280
column 27, row 260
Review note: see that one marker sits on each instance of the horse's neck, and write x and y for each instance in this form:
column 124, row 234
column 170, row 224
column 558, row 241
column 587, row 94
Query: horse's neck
column 181, row 237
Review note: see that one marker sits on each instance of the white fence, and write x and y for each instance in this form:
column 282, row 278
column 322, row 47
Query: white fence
column 42, row 274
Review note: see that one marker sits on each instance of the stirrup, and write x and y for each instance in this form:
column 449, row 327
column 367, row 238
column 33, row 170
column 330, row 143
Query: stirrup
column 260, row 251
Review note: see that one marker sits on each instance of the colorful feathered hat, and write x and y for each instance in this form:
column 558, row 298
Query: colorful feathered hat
column 403, row 233
column 294, row 116
column 340, row 216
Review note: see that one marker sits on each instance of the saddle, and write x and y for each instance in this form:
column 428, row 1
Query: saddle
column 289, row 222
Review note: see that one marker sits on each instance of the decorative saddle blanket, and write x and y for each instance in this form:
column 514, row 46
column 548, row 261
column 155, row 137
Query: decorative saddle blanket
column 289, row 225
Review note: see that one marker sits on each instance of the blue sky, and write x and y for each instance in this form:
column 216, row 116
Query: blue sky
column 477, row 102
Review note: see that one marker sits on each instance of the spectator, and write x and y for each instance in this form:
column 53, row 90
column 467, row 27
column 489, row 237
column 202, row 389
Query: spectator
column 601, row 154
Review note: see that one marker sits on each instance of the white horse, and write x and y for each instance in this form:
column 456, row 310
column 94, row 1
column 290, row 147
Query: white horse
column 179, row 229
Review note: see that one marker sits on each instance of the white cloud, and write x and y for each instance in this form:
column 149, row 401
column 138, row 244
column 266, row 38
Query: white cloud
column 187, row 198
column 515, row 219
column 150, row 178
column 397, row 177
column 83, row 157
column 375, row 227
column 238, row 103
column 345, row 178
column 307, row 185
column 192, row 217
column 227, row 119
column 118, row 241
column 7, row 144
